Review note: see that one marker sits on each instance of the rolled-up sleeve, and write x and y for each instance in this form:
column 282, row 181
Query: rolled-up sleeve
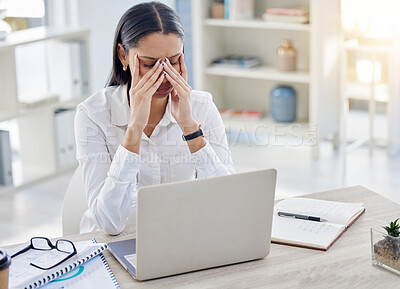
column 110, row 184
column 214, row 159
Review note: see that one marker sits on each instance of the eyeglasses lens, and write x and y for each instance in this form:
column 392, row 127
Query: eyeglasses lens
column 64, row 246
column 40, row 244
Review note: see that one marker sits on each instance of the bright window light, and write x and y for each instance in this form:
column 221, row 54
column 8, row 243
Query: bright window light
column 24, row 8
column 364, row 71
column 377, row 19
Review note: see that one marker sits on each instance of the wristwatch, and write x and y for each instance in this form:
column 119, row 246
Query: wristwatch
column 193, row 135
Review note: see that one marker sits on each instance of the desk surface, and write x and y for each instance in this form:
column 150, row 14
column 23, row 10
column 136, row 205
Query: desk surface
column 347, row 264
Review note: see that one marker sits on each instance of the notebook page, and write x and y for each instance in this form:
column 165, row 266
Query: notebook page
column 335, row 212
column 303, row 232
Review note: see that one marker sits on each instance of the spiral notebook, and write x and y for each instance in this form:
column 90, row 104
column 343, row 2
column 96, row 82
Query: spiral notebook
column 79, row 272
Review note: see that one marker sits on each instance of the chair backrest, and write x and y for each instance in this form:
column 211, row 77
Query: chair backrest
column 74, row 205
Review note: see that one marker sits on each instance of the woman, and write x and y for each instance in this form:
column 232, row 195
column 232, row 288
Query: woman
column 147, row 126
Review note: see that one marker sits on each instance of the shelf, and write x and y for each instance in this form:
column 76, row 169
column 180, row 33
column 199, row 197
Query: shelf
column 25, row 176
column 41, row 33
column 45, row 106
column 6, row 116
column 263, row 72
column 267, row 131
column 257, row 23
column 236, row 123
column 52, row 105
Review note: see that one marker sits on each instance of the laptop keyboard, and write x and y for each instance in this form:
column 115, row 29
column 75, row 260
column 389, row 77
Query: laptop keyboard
column 131, row 259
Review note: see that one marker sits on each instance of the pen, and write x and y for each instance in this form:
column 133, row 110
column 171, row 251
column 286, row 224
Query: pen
column 303, row 217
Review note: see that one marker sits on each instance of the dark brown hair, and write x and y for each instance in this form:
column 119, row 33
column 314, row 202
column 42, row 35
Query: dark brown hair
column 136, row 23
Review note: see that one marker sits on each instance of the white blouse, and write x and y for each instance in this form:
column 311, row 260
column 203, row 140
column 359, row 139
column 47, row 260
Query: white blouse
column 112, row 174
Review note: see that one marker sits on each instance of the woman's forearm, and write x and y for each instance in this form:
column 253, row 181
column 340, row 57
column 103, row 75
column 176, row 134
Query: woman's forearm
column 132, row 139
column 110, row 188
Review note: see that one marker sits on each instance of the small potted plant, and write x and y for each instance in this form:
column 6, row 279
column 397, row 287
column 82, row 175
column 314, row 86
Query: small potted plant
column 385, row 245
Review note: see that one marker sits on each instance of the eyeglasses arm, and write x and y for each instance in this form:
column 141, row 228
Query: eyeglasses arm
column 21, row 251
column 55, row 265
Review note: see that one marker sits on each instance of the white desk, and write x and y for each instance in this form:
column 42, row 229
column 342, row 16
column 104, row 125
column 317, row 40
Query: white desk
column 347, row 264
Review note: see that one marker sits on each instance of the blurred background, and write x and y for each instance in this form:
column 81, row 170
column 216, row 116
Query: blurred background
column 310, row 87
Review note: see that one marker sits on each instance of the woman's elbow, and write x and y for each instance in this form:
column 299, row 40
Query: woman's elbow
column 113, row 231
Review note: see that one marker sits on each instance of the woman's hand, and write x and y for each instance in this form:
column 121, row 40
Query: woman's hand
column 141, row 92
column 181, row 106
column 180, row 96
column 140, row 95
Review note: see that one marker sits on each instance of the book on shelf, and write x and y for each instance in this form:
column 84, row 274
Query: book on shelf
column 239, row 9
column 23, row 275
column 6, row 176
column 67, row 69
column 240, row 113
column 237, row 61
column 313, row 234
column 286, row 18
column 290, row 11
column 65, row 137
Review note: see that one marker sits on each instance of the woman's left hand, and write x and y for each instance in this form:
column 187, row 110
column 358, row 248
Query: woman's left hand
column 180, row 95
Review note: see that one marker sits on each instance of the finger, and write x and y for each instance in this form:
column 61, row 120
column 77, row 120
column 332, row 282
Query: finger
column 183, row 67
column 173, row 71
column 153, row 78
column 178, row 87
column 174, row 74
column 156, row 85
column 174, row 95
column 135, row 72
column 148, row 74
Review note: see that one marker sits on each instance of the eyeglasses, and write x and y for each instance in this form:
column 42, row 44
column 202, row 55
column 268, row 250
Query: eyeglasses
column 44, row 244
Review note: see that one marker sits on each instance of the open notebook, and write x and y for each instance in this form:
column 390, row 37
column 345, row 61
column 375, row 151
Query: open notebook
column 311, row 234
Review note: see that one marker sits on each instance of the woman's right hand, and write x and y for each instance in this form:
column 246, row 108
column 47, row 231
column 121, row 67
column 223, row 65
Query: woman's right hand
column 140, row 95
column 141, row 92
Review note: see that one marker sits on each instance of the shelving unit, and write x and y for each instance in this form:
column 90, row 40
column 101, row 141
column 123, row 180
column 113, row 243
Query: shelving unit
column 316, row 81
column 37, row 159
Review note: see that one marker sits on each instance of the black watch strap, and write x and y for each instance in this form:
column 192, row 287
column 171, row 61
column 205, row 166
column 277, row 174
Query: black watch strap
column 193, row 135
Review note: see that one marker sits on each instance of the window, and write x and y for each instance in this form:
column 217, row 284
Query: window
column 23, row 14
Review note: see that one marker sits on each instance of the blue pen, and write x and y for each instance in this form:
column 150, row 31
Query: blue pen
column 302, row 217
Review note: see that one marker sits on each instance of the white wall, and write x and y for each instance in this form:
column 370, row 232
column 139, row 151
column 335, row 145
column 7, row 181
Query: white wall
column 102, row 17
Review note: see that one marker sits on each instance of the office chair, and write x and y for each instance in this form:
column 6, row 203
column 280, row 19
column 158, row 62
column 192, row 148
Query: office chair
column 74, row 204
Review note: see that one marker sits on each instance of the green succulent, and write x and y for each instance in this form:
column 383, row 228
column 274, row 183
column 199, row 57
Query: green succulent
column 393, row 229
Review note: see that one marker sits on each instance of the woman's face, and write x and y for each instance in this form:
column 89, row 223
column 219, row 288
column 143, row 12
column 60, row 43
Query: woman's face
column 153, row 47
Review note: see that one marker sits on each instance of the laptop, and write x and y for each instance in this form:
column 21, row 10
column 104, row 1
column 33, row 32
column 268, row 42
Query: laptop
column 199, row 224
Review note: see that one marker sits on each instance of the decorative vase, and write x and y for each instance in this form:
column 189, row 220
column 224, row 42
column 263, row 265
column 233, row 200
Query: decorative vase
column 385, row 250
column 286, row 56
column 283, row 104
